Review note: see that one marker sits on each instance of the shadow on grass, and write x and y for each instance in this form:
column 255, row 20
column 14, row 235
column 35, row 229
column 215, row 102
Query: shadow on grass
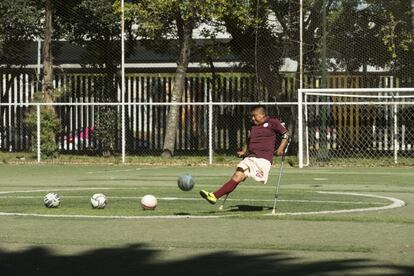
column 182, row 214
column 139, row 260
column 248, row 208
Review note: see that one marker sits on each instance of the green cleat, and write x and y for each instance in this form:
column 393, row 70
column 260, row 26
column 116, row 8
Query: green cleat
column 210, row 197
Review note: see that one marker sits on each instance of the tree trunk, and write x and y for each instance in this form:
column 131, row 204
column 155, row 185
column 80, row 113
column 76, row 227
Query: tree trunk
column 178, row 88
column 47, row 54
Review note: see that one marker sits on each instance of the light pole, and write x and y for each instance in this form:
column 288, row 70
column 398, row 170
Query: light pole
column 323, row 151
column 123, row 77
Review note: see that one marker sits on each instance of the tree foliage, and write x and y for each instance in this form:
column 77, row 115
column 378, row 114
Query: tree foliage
column 376, row 33
column 19, row 22
column 398, row 37
column 95, row 26
column 164, row 19
column 357, row 42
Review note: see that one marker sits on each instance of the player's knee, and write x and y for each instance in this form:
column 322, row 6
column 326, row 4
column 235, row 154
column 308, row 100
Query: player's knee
column 240, row 174
column 239, row 169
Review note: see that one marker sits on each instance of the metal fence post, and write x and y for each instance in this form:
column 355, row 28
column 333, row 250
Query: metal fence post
column 210, row 132
column 38, row 132
column 300, row 129
column 396, row 144
column 123, row 81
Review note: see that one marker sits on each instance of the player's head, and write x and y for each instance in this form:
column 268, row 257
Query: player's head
column 258, row 114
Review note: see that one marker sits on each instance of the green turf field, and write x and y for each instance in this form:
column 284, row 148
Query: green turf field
column 329, row 221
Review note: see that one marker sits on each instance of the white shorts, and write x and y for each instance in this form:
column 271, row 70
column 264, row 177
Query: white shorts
column 256, row 168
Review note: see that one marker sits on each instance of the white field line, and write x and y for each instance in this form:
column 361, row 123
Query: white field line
column 200, row 199
column 111, row 217
column 395, row 203
column 111, row 171
column 348, row 173
column 64, row 189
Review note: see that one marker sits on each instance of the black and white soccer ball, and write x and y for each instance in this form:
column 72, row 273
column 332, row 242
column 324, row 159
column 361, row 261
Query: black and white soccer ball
column 51, row 200
column 98, row 201
column 185, row 182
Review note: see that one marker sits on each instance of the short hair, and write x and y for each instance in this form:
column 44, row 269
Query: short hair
column 259, row 107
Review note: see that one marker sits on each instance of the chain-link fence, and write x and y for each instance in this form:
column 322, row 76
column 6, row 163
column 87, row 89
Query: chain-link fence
column 205, row 129
column 107, row 51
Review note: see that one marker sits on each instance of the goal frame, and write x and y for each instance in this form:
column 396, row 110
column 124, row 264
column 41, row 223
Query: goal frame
column 303, row 103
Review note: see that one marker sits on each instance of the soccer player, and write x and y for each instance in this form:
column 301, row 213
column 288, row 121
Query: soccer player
column 258, row 153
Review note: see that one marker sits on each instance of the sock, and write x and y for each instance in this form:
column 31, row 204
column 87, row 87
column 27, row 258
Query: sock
column 226, row 188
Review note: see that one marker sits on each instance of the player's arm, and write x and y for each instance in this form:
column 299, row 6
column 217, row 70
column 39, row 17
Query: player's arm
column 243, row 152
column 283, row 130
column 283, row 144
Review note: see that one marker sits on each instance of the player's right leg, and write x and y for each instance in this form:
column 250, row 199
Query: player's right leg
column 210, row 197
column 238, row 176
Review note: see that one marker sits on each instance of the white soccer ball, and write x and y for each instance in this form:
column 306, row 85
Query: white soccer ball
column 148, row 202
column 51, row 200
column 98, row 201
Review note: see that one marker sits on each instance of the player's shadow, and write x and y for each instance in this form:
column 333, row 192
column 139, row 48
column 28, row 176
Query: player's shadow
column 248, row 208
column 140, row 260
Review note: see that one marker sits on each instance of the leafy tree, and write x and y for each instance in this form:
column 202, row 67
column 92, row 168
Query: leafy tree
column 164, row 19
column 265, row 33
column 398, row 37
column 19, row 24
column 255, row 38
column 95, row 25
column 371, row 32
column 354, row 38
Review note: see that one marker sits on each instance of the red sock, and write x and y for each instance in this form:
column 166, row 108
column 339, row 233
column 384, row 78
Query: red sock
column 226, row 188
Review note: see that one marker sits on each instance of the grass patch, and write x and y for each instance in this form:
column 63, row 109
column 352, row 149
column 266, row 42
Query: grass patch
column 382, row 236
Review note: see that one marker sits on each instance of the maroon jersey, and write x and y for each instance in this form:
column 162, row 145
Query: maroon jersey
column 262, row 138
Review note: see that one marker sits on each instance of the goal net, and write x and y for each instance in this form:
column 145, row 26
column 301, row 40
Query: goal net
column 356, row 126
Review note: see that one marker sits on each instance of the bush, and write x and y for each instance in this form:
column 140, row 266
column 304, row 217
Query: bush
column 49, row 126
column 106, row 129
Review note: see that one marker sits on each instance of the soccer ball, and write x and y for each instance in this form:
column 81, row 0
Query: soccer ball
column 51, row 200
column 148, row 202
column 98, row 201
column 185, row 182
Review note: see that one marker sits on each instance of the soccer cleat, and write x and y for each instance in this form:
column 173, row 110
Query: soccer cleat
column 210, row 197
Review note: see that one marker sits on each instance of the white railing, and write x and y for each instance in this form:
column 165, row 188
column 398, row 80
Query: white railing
column 209, row 108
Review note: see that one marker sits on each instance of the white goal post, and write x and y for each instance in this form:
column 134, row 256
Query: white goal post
column 369, row 124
